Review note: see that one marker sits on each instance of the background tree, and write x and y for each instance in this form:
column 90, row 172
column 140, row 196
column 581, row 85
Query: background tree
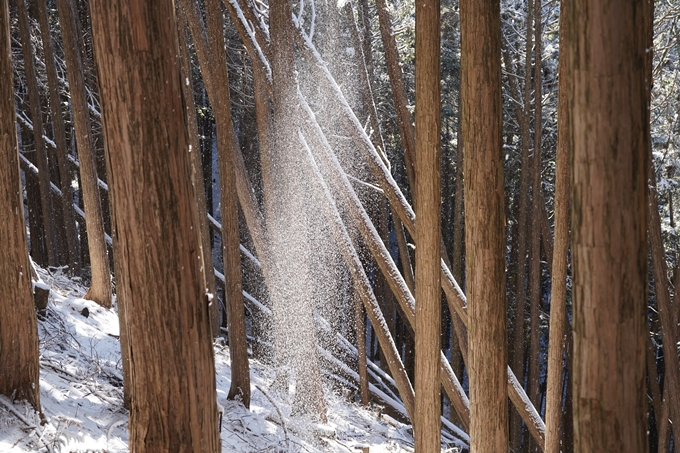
column 173, row 400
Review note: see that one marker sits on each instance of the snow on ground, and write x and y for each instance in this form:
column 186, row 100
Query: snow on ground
column 82, row 396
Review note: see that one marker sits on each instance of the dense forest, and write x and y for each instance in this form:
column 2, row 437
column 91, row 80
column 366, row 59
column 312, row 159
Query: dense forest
column 235, row 185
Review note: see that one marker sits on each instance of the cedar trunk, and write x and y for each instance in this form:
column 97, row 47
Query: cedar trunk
column 100, row 288
column 20, row 371
column 558, row 298
column 38, row 136
column 609, row 225
column 59, row 132
column 484, row 224
column 157, row 243
column 428, row 233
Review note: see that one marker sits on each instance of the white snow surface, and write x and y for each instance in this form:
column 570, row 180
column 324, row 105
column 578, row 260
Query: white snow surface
column 81, row 395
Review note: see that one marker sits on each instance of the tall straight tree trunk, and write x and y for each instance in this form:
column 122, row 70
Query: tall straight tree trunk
column 536, row 211
column 609, row 225
column 157, row 243
column 197, row 173
column 295, row 343
column 427, row 423
column 557, row 344
column 484, row 224
column 231, row 254
column 59, row 132
column 100, row 289
column 20, row 371
column 40, row 151
column 518, row 354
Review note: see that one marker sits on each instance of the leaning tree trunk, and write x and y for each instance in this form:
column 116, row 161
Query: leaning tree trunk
column 484, row 225
column 100, row 288
column 20, row 371
column 609, row 225
column 428, row 234
column 157, row 243
column 40, row 151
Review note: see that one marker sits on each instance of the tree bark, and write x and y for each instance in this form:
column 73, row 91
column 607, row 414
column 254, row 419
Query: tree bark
column 20, row 370
column 100, row 289
column 59, row 131
column 157, row 243
column 197, row 176
column 231, row 255
column 485, row 230
column 609, row 225
column 38, row 131
column 558, row 293
column 427, row 423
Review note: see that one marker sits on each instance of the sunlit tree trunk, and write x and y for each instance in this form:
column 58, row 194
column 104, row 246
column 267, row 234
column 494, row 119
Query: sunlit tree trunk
column 38, row 131
column 157, row 245
column 100, row 288
column 428, row 233
column 20, row 371
column 484, row 224
column 609, row 225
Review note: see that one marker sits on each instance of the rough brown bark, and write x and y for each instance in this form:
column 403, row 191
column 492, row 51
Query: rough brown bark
column 41, row 153
column 20, row 371
column 197, row 174
column 59, row 132
column 609, row 225
column 427, row 423
column 558, row 294
column 160, row 281
column 100, row 288
column 485, row 230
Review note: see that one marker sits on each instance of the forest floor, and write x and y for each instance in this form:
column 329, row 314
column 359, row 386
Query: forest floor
column 82, row 396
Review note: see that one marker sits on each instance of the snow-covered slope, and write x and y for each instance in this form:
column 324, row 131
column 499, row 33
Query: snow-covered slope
column 81, row 394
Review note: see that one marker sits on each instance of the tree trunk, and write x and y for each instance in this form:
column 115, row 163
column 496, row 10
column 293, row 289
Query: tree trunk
column 197, row 174
column 485, row 230
column 558, row 293
column 157, row 243
column 609, row 225
column 20, row 371
column 536, row 220
column 100, row 289
column 406, row 130
column 427, row 423
column 66, row 177
column 40, row 151
column 231, row 254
